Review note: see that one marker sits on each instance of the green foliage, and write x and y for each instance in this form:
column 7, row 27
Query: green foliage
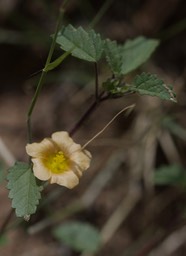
column 84, row 45
column 24, row 191
column 170, row 175
column 123, row 59
column 113, row 53
column 115, row 87
column 135, row 52
column 80, row 236
column 89, row 46
column 145, row 84
column 149, row 84
column 58, row 61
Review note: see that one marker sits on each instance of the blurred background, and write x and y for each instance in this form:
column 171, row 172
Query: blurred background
column 134, row 194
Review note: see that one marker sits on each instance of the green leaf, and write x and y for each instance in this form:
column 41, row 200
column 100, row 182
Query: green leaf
column 80, row 236
column 113, row 56
column 24, row 191
column 58, row 61
column 136, row 52
column 125, row 58
column 150, row 84
column 170, row 175
column 115, row 87
column 86, row 45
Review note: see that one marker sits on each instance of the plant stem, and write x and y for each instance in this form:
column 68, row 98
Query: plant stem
column 98, row 98
column 44, row 72
column 83, row 118
column 101, row 13
column 32, row 105
column 89, row 111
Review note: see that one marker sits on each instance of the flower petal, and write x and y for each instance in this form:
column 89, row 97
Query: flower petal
column 67, row 179
column 40, row 171
column 65, row 143
column 81, row 159
column 45, row 147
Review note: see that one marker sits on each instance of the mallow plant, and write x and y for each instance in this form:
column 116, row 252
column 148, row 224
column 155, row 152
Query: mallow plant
column 58, row 158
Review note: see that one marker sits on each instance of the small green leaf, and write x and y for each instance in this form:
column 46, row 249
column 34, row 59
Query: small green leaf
column 113, row 56
column 170, row 175
column 80, row 236
column 136, row 52
column 24, row 191
column 125, row 58
column 149, row 84
column 58, row 61
column 87, row 45
column 115, row 87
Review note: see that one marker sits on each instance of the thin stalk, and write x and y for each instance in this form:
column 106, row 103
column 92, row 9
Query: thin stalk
column 89, row 111
column 101, row 13
column 32, row 105
column 44, row 72
column 83, row 118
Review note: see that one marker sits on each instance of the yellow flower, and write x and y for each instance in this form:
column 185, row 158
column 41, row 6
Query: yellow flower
column 59, row 159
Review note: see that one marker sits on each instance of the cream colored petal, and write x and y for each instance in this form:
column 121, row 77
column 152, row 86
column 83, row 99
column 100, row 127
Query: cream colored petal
column 81, row 159
column 41, row 149
column 40, row 171
column 67, row 179
column 77, row 170
column 63, row 140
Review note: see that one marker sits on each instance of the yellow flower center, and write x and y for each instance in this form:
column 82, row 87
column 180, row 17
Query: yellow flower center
column 57, row 163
